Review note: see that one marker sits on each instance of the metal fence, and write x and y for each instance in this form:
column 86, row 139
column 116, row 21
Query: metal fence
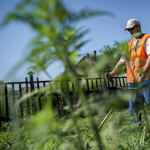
column 11, row 92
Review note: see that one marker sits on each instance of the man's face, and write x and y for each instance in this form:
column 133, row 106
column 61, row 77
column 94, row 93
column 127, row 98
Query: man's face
column 135, row 29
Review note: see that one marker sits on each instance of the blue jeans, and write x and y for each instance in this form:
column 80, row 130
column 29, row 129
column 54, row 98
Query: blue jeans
column 137, row 100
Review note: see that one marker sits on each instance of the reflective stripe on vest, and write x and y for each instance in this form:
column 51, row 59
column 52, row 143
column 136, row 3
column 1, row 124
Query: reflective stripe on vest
column 131, row 64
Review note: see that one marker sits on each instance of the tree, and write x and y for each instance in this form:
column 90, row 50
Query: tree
column 112, row 55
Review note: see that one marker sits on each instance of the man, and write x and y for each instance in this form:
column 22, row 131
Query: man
column 137, row 62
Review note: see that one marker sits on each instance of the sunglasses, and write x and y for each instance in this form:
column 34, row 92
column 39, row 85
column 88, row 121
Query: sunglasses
column 132, row 28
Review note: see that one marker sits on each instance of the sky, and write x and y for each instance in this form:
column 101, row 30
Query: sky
column 16, row 35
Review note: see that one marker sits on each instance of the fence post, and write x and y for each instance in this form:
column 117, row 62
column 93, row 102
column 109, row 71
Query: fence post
column 32, row 89
column 28, row 103
column 31, row 80
column 39, row 99
column 6, row 101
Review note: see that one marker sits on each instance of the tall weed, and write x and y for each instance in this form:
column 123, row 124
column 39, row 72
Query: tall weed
column 59, row 39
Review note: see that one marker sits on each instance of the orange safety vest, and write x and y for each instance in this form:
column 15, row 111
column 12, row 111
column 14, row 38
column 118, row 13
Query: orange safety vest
column 136, row 59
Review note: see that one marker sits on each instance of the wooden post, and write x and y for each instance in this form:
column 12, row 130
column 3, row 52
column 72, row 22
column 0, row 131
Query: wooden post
column 32, row 89
column 28, row 104
column 6, row 101
column 21, row 104
column 31, row 80
column 13, row 97
column 39, row 97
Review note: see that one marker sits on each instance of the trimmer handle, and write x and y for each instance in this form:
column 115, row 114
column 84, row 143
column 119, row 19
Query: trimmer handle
column 111, row 80
column 106, row 75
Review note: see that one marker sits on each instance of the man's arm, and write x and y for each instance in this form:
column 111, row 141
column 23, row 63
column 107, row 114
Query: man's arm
column 146, row 68
column 147, row 65
column 115, row 70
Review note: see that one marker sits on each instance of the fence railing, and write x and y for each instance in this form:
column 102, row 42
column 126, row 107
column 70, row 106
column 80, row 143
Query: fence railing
column 11, row 92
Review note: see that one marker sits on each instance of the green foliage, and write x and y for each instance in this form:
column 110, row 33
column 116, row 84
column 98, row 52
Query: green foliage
column 43, row 131
column 57, row 37
column 111, row 55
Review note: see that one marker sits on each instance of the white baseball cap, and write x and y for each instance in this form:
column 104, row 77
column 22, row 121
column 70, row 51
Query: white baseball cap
column 131, row 23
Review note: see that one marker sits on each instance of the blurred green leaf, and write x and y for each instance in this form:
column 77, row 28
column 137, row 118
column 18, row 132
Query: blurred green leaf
column 57, row 33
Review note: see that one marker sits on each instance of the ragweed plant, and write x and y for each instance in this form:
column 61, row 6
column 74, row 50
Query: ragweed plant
column 59, row 39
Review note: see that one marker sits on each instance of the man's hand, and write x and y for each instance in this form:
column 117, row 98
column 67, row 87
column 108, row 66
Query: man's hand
column 141, row 78
column 109, row 76
column 114, row 72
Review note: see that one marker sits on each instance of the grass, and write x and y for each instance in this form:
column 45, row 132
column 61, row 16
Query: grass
column 43, row 132
column 116, row 133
